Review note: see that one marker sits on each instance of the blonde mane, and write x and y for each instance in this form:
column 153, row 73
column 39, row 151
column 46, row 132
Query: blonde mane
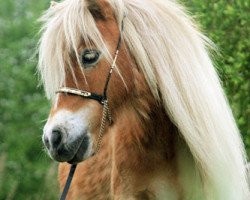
column 173, row 56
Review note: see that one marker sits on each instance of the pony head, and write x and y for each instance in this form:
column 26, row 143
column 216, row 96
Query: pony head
column 79, row 52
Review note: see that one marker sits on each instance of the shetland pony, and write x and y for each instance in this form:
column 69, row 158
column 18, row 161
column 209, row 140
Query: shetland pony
column 173, row 135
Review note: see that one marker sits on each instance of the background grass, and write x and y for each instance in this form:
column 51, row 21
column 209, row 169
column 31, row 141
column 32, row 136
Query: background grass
column 26, row 172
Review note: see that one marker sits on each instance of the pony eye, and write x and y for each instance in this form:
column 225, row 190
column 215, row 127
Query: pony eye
column 90, row 57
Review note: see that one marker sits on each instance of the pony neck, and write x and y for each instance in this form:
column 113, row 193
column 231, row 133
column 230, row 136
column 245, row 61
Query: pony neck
column 146, row 146
column 143, row 147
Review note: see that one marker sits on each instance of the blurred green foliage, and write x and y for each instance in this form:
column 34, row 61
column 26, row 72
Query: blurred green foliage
column 227, row 24
column 25, row 170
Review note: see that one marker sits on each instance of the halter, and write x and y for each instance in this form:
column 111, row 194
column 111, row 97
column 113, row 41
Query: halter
column 103, row 100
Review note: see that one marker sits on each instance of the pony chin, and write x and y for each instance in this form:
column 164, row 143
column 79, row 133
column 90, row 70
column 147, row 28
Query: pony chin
column 67, row 137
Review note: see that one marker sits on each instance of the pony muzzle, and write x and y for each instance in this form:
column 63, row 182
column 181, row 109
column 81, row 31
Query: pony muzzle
column 62, row 148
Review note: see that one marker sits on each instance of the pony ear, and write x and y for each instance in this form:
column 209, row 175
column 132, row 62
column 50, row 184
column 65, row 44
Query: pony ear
column 100, row 9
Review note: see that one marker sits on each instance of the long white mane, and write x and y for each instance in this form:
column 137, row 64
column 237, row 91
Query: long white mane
column 173, row 56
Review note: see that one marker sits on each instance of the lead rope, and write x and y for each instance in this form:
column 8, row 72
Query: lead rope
column 68, row 182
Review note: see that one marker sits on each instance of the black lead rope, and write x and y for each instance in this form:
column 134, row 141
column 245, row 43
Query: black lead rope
column 100, row 98
column 68, row 182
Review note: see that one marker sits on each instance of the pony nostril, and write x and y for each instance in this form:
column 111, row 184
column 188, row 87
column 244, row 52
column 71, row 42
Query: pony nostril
column 56, row 138
column 46, row 142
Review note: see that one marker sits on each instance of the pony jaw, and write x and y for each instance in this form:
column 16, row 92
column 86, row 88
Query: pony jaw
column 73, row 142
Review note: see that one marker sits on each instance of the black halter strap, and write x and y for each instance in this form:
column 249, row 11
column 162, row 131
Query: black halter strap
column 102, row 99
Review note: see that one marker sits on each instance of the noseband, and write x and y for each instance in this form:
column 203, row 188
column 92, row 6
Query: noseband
column 103, row 100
